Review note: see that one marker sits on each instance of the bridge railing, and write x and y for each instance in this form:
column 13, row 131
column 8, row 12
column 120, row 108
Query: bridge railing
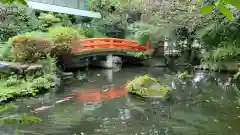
column 108, row 43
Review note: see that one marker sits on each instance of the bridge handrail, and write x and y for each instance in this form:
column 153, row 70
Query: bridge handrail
column 93, row 43
column 107, row 39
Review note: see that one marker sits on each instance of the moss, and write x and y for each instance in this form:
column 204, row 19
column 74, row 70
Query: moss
column 184, row 76
column 147, row 86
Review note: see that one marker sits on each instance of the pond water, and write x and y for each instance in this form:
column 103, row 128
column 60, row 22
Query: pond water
column 205, row 105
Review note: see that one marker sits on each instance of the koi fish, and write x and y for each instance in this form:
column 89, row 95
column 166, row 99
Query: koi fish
column 98, row 95
column 63, row 100
column 43, row 108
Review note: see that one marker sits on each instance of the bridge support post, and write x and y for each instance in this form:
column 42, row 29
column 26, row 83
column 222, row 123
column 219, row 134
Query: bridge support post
column 109, row 61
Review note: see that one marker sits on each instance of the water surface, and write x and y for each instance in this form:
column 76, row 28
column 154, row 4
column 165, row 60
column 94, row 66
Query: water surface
column 206, row 105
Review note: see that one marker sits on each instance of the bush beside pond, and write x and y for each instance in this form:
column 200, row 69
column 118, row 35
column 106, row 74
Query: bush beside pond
column 26, row 85
column 63, row 38
column 30, row 48
column 146, row 86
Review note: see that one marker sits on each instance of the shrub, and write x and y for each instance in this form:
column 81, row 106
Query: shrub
column 6, row 53
column 63, row 38
column 12, row 81
column 90, row 32
column 15, row 20
column 30, row 48
column 228, row 52
column 48, row 20
column 112, row 25
column 143, row 32
column 45, row 82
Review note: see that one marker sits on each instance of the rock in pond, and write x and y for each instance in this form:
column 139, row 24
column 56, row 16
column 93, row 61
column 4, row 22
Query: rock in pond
column 146, row 86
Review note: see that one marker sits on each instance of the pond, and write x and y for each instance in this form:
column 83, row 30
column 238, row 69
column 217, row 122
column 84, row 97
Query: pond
column 206, row 104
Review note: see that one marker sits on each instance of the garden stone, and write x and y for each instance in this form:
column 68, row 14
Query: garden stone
column 149, row 87
column 10, row 67
column 34, row 68
column 66, row 75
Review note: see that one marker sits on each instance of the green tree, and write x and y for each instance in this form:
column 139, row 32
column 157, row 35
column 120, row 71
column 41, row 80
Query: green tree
column 24, row 2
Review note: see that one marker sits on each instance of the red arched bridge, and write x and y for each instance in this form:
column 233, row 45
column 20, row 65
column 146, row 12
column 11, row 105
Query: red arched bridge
column 94, row 44
column 103, row 52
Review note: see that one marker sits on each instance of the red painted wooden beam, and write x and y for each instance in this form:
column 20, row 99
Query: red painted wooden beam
column 107, row 43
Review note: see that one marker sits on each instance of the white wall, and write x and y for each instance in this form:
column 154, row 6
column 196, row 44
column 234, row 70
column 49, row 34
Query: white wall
column 77, row 4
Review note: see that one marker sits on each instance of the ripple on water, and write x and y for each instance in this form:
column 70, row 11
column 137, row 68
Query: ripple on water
column 211, row 110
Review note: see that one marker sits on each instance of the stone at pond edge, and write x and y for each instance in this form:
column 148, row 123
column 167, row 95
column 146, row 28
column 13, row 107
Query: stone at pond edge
column 34, row 68
column 146, row 86
column 11, row 67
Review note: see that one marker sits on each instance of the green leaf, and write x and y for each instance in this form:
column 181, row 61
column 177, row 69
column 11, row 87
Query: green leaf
column 235, row 3
column 206, row 8
column 224, row 10
column 23, row 2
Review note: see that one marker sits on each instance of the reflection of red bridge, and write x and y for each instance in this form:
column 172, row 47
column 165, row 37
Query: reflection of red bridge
column 108, row 43
column 97, row 95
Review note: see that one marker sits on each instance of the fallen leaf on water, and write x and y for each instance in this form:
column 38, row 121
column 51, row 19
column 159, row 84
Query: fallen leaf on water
column 207, row 101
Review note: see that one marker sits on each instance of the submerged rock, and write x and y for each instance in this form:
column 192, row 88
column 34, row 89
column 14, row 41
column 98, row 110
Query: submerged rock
column 146, row 86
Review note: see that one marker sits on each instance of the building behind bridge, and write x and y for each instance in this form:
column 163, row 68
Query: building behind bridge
column 73, row 7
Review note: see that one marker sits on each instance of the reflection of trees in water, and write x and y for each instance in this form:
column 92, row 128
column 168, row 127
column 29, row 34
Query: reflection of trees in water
column 217, row 90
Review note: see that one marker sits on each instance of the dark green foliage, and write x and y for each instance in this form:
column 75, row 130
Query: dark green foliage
column 17, row 86
column 15, row 20
column 143, row 32
column 219, row 30
column 112, row 25
column 106, row 7
column 6, row 53
column 90, row 32
column 220, row 38
column 13, row 81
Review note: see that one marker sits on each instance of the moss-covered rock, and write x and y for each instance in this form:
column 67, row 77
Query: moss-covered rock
column 184, row 76
column 146, row 86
